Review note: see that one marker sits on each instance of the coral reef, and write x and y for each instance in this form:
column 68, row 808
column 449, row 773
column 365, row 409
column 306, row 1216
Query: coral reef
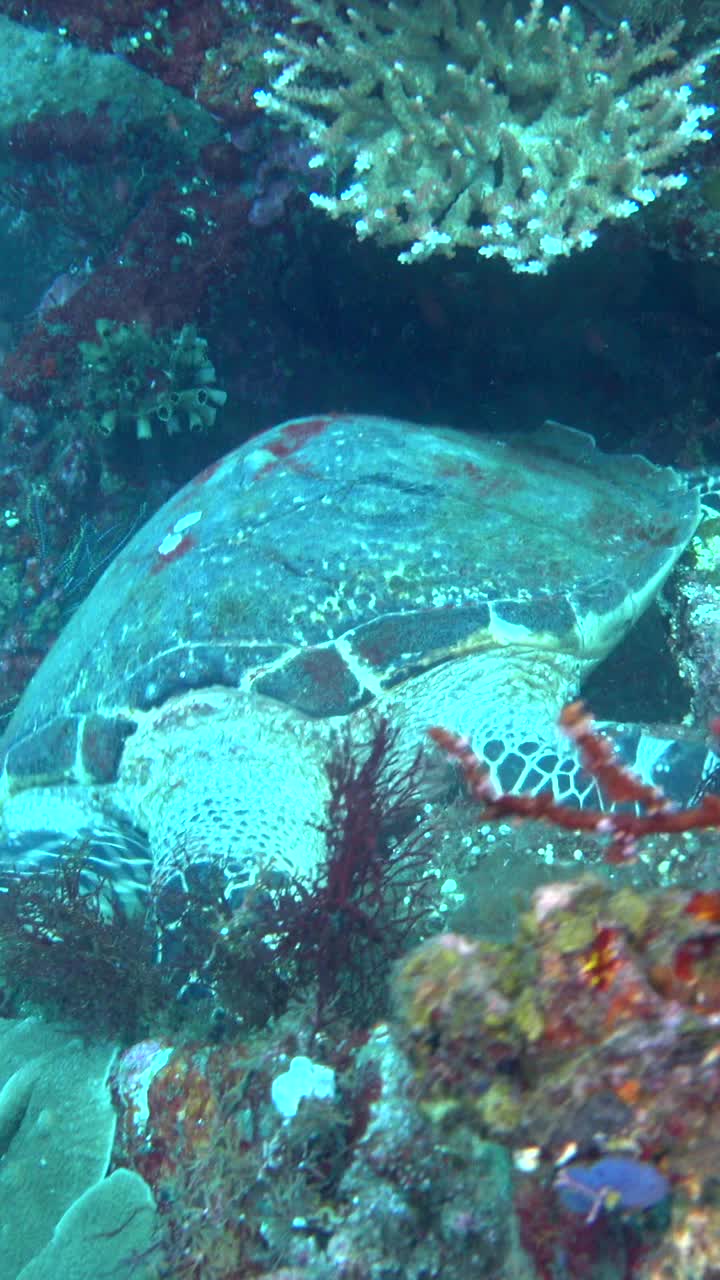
column 516, row 139
column 589, row 1039
column 566, row 1065
column 354, row 1185
column 583, row 1053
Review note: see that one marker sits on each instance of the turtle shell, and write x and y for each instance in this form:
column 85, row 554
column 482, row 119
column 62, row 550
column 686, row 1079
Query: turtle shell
column 330, row 559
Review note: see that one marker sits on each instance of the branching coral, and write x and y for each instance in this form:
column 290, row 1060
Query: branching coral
column 516, row 140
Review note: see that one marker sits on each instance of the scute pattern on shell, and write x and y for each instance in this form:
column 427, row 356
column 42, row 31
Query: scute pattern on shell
column 333, row 558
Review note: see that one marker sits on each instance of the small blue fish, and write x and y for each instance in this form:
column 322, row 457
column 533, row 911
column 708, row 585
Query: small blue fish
column 613, row 1182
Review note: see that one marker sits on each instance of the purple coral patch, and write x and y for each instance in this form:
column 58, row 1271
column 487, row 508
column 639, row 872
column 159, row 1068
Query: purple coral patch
column 613, row 1181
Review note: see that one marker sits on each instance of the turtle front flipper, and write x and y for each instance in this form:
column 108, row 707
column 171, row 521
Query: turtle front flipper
column 38, row 828
column 228, row 786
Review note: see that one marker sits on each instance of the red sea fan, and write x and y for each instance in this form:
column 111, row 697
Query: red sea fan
column 623, row 827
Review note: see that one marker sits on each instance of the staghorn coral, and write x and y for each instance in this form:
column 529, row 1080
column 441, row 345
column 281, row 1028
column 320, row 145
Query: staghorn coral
column 133, row 378
column 516, row 139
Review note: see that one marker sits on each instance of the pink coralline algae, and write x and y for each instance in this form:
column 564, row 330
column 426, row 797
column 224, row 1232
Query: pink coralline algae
column 153, row 279
column 169, row 40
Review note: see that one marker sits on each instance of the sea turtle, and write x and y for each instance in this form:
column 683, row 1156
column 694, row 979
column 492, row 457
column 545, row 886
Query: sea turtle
column 329, row 567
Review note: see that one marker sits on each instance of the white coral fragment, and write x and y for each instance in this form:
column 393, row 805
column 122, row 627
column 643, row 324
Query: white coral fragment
column 517, row 139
